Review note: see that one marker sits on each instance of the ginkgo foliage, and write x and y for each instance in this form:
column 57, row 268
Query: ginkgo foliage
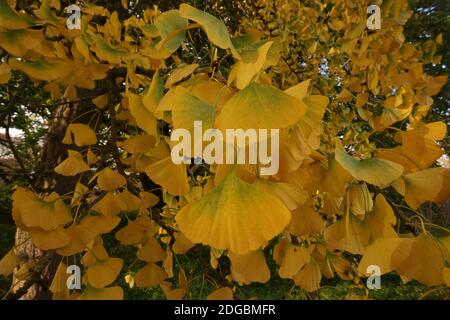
column 328, row 211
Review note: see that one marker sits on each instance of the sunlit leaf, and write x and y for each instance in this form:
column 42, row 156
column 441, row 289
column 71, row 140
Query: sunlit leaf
column 226, row 217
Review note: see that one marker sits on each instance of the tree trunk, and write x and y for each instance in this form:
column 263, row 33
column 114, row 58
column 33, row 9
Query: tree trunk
column 53, row 152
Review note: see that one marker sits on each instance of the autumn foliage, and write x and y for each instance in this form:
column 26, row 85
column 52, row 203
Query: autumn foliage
column 354, row 148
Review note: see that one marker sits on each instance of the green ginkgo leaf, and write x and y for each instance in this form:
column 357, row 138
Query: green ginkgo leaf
column 378, row 172
column 106, row 52
column 11, row 19
column 187, row 108
column 215, row 29
column 171, row 27
column 154, row 93
column 43, row 70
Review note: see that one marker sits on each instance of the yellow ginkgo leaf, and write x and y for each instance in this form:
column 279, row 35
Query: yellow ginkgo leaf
column 109, row 205
column 72, row 165
column 444, row 194
column 100, row 101
column 178, row 293
column 292, row 196
column 339, row 264
column 151, row 251
column 172, row 177
column 398, row 156
column 143, row 116
column 91, row 157
column 420, row 146
column 446, row 276
column 435, row 130
column 165, row 105
column 96, row 253
column 18, row 42
column 308, row 128
column 260, row 106
column 361, row 99
column 82, row 134
column 105, row 51
column 168, row 263
column 250, row 267
column 344, row 96
column 8, row 263
column 100, row 224
column 382, row 220
column 135, row 231
column 180, row 73
column 148, row 198
column 43, row 70
column 110, row 293
column 187, row 108
column 224, row 293
column 138, row 144
column 113, row 203
column 171, row 27
column 5, row 73
column 306, row 221
column 23, row 273
column 234, row 215
column 420, row 186
column 422, row 248
column 300, row 90
column 109, row 180
column 59, row 283
column 181, row 244
column 49, row 240
column 79, row 236
column 243, row 72
column 380, row 254
column 78, row 193
column 214, row 93
column 45, row 11
column 291, row 258
column 48, row 214
column 360, row 200
column 309, row 277
column 149, row 276
column 128, row 201
column 103, row 273
column 154, row 93
column 349, row 234
column 21, row 195
column 331, row 205
column 336, row 179
column 378, row 172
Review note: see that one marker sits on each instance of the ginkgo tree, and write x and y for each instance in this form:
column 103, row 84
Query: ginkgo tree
column 329, row 211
